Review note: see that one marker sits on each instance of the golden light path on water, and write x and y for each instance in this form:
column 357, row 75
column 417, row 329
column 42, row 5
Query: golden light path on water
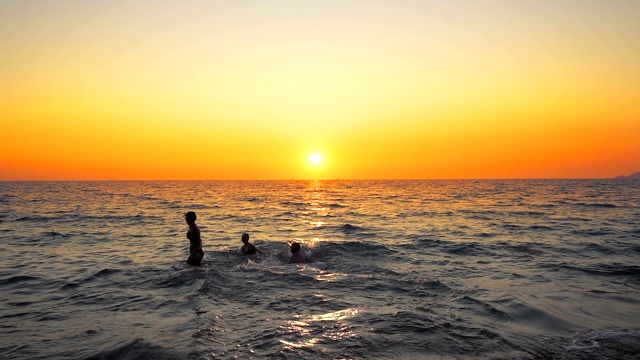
column 330, row 276
column 307, row 331
column 335, row 331
column 317, row 207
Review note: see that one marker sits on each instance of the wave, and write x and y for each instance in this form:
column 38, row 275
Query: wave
column 513, row 227
column 105, row 272
column 96, row 276
column 18, row 279
column 541, row 228
column 293, row 203
column 604, row 269
column 358, row 248
column 410, row 321
column 419, row 333
column 420, row 242
column 36, row 218
column 420, row 285
column 599, row 248
column 426, row 214
column 609, row 343
column 180, row 279
column 69, row 286
column 138, row 349
column 348, row 228
column 528, row 213
column 74, row 217
column 597, row 205
column 592, row 232
column 528, row 248
column 55, row 234
column 485, row 235
column 335, row 205
column 483, row 308
column 468, row 249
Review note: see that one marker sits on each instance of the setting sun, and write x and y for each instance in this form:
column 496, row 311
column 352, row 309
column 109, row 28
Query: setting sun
column 316, row 158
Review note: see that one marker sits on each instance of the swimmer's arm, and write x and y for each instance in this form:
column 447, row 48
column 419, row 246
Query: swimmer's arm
column 255, row 249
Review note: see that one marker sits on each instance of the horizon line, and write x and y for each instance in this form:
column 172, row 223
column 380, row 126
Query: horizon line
column 333, row 179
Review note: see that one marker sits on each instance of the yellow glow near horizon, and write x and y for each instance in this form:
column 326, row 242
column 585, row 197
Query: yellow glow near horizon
column 403, row 89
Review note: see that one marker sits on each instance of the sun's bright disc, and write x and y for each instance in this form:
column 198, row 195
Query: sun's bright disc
column 316, row 158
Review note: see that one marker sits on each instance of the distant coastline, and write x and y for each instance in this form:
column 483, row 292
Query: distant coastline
column 632, row 176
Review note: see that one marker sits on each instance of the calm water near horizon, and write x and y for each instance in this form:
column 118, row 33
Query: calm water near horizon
column 408, row 269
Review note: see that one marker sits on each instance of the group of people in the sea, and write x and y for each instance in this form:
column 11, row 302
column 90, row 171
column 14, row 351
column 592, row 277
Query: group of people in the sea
column 195, row 244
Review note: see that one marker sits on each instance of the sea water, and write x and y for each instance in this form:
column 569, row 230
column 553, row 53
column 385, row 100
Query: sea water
column 396, row 270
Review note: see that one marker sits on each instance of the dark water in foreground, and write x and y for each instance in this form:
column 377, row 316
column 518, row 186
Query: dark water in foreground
column 399, row 270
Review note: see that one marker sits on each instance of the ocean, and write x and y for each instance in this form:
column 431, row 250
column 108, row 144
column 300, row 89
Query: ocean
column 429, row 269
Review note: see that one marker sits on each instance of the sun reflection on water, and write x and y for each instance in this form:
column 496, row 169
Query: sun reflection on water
column 308, row 343
column 336, row 315
column 309, row 331
column 317, row 223
column 330, row 276
column 316, row 207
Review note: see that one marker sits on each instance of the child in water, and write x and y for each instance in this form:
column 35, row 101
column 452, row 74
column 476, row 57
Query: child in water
column 195, row 247
column 248, row 248
column 297, row 257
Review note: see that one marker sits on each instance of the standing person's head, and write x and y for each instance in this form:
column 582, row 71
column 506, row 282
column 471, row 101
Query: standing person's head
column 295, row 247
column 245, row 238
column 190, row 217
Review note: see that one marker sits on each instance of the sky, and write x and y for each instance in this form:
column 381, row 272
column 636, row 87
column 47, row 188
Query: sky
column 150, row 90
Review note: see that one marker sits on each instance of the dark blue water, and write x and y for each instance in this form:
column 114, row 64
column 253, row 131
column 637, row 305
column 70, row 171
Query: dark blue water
column 397, row 269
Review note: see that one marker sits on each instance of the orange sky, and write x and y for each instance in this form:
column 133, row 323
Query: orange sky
column 381, row 89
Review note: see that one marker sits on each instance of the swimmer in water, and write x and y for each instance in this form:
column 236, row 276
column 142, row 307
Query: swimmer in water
column 195, row 246
column 248, row 248
column 297, row 257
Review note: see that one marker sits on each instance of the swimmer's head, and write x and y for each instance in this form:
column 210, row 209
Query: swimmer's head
column 295, row 247
column 190, row 217
column 245, row 238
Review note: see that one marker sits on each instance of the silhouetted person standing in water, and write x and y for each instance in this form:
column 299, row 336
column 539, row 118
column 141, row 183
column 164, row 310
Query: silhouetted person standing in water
column 248, row 248
column 195, row 247
column 297, row 257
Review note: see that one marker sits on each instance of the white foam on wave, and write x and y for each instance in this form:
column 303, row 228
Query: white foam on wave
column 594, row 344
column 593, row 338
column 275, row 260
column 611, row 334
